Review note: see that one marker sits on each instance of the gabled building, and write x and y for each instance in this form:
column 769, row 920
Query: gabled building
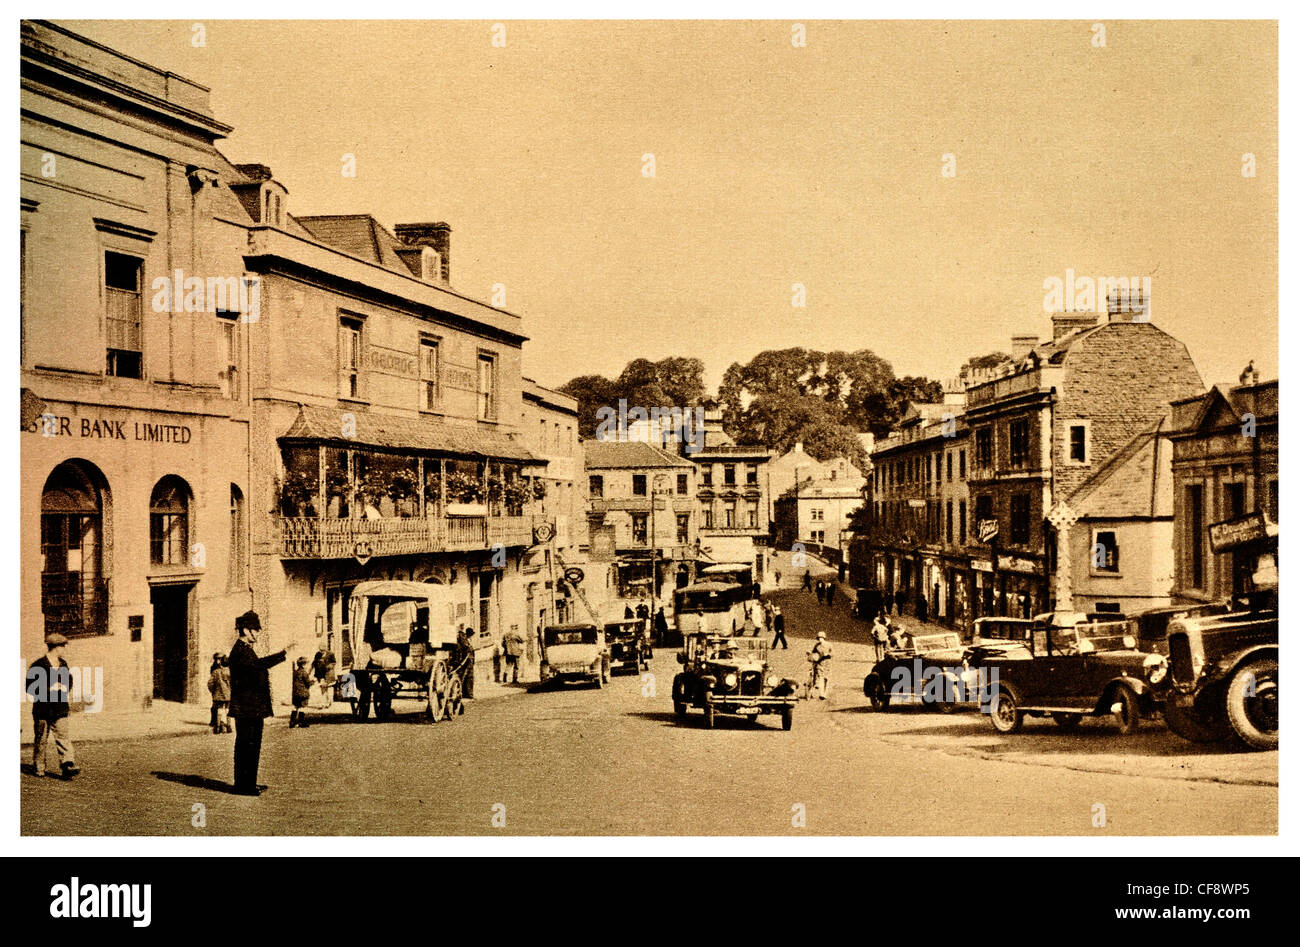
column 1043, row 425
column 641, row 510
column 1225, row 466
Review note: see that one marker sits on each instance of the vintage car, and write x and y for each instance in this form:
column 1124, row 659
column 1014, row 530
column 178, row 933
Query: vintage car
column 575, row 652
column 629, row 644
column 1223, row 659
column 725, row 674
column 401, row 644
column 715, row 607
column 919, row 672
column 1068, row 672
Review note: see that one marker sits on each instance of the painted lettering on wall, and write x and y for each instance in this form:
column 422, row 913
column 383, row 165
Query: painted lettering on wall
column 109, row 429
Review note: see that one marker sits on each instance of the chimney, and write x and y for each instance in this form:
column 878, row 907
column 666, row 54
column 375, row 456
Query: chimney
column 435, row 236
column 1022, row 345
column 1063, row 323
column 1129, row 301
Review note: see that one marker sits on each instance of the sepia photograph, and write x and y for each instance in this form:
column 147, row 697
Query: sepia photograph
column 747, row 428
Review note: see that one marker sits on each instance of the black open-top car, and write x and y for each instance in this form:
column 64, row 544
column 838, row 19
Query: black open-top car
column 629, row 644
column 722, row 674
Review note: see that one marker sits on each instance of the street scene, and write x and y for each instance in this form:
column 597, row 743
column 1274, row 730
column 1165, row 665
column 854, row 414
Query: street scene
column 773, row 462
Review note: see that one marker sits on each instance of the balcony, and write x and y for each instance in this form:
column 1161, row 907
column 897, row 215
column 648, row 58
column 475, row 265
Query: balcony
column 309, row 537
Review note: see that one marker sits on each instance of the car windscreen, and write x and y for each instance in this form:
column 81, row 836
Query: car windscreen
column 1105, row 636
column 559, row 636
column 935, row 642
column 704, row 600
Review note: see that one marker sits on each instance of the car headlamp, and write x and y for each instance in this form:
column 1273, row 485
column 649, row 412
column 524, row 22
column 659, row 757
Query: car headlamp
column 729, row 680
column 1130, row 641
column 1155, row 667
column 772, row 680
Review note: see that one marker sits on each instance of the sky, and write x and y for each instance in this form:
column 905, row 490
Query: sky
column 775, row 165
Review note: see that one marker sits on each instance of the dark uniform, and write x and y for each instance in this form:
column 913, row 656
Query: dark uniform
column 250, row 705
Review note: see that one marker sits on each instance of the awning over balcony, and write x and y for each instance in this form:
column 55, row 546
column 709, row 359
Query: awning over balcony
column 320, row 425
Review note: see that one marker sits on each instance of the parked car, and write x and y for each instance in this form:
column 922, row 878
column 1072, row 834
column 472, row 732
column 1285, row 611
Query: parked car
column 629, row 644
column 1223, row 662
column 722, row 674
column 1069, row 672
column 923, row 671
column 575, row 652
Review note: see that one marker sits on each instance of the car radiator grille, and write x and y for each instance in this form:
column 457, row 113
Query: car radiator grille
column 1180, row 659
column 751, row 683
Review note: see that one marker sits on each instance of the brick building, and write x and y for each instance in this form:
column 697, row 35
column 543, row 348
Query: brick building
column 1040, row 428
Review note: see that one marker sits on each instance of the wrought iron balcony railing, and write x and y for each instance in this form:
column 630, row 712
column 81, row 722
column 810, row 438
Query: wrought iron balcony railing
column 304, row 537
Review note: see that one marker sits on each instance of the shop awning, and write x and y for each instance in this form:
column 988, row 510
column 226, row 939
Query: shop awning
column 319, row 425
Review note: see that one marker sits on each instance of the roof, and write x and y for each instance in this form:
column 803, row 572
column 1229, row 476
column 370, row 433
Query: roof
column 358, row 235
column 323, row 425
column 1133, row 483
column 608, row 455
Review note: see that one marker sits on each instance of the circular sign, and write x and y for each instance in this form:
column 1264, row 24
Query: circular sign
column 574, row 576
column 543, row 532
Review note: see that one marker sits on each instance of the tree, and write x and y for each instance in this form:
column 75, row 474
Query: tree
column 592, row 393
column 674, row 382
column 984, row 362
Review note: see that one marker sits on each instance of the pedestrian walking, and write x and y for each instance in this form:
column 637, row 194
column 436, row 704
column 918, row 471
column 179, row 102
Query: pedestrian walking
column 250, row 699
column 463, row 658
column 302, row 681
column 778, row 627
column 643, row 610
column 922, row 608
column 768, row 610
column 777, row 573
column 49, row 686
column 661, row 627
column 512, row 648
column 807, row 581
column 820, row 592
column 889, row 602
column 820, row 657
column 830, row 592
column 219, row 688
column 322, row 668
column 880, row 634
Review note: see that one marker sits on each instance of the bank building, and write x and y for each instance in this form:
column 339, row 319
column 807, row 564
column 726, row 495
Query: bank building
column 226, row 406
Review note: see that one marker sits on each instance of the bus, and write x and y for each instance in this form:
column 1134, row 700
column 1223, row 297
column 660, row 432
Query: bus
column 716, row 607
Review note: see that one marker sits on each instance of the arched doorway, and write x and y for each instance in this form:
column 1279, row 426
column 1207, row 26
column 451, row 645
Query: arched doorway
column 170, row 593
column 74, row 597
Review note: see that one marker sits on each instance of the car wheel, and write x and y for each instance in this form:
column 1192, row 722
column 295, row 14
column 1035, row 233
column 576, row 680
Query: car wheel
column 1127, row 714
column 679, row 710
column 1005, row 712
column 787, row 718
column 1252, row 704
column 1067, row 722
column 1194, row 726
column 876, row 691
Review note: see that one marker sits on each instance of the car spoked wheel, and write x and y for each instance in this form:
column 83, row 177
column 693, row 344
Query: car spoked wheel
column 879, row 697
column 1067, row 722
column 1004, row 712
column 455, row 703
column 1252, row 704
column 1125, row 708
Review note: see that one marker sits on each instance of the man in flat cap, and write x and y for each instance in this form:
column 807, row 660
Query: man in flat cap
column 49, row 685
column 250, row 699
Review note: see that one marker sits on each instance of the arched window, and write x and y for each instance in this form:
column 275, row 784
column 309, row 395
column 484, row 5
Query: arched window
column 73, row 591
column 169, row 514
column 236, row 574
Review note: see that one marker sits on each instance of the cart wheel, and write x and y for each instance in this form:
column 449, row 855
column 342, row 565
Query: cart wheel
column 455, row 702
column 437, row 687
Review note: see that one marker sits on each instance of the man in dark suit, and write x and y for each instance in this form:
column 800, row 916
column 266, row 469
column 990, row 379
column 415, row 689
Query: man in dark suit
column 250, row 699
column 49, row 687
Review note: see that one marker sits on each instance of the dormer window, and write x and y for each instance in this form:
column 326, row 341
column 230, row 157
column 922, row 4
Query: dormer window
column 272, row 208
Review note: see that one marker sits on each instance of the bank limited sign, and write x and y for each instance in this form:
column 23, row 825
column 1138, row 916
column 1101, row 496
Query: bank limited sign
column 48, row 424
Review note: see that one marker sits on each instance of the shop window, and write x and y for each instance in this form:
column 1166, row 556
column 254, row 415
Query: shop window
column 74, row 599
column 123, row 299
column 169, row 514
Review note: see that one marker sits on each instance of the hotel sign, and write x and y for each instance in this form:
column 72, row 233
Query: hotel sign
column 388, row 361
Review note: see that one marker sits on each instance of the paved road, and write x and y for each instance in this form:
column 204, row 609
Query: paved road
column 613, row 761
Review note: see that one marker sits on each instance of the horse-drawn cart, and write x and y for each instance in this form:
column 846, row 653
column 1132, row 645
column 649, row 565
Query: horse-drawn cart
column 402, row 638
